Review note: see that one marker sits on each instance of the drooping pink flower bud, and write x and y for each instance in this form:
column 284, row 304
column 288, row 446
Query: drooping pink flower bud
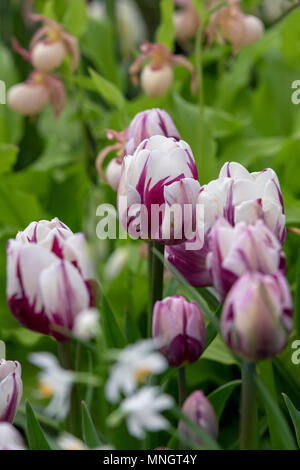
column 49, row 277
column 180, row 327
column 186, row 21
column 10, row 438
column 51, row 44
column 157, row 77
column 234, row 250
column 112, row 174
column 257, row 316
column 199, row 410
column 145, row 189
column 30, row 97
column 147, row 124
column 11, row 389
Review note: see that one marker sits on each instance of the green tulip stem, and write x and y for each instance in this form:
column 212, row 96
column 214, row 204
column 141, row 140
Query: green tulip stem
column 156, row 277
column 248, row 407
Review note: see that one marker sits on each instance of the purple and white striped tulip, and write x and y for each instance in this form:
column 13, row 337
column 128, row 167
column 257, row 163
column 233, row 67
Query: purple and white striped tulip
column 179, row 325
column 11, row 389
column 199, row 410
column 147, row 124
column 49, row 277
column 160, row 172
column 240, row 196
column 257, row 316
column 10, row 438
column 234, row 250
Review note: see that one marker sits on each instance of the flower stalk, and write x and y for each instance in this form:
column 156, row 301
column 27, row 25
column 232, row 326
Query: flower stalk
column 181, row 386
column 248, row 407
column 156, row 276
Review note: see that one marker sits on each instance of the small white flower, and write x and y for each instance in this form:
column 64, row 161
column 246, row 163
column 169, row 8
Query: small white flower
column 86, row 324
column 143, row 411
column 135, row 363
column 69, row 442
column 116, row 263
column 54, row 382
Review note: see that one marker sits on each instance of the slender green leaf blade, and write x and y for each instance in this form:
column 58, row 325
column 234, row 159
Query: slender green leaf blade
column 109, row 92
column 166, row 31
column 113, row 332
column 295, row 416
column 35, row 434
column 90, row 435
column 221, row 395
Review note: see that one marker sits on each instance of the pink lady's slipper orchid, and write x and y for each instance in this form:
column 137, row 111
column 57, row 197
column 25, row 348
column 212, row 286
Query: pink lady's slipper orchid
column 230, row 23
column 112, row 174
column 33, row 95
column 11, row 389
column 257, row 316
column 49, row 277
column 179, row 325
column 186, row 20
column 51, row 44
column 234, row 250
column 157, row 76
column 199, row 410
column 237, row 196
column 161, row 175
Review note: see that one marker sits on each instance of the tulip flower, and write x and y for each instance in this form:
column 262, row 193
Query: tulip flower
column 49, row 278
column 199, row 410
column 10, row 438
column 160, row 172
column 230, row 23
column 257, row 316
column 11, row 389
column 33, row 95
column 240, row 196
column 186, row 20
column 179, row 325
column 147, row 124
column 157, row 77
column 234, row 250
column 50, row 45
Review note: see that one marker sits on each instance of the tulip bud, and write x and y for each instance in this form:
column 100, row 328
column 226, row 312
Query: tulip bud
column 28, row 99
column 180, row 327
column 257, row 316
column 113, row 173
column 234, row 250
column 10, row 438
column 47, row 56
column 49, row 277
column 199, row 410
column 147, row 124
column 11, row 389
column 156, row 82
column 157, row 163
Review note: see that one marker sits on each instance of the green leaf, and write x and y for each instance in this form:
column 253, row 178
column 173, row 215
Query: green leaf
column 217, row 351
column 90, row 435
column 76, row 17
column 166, row 30
column 8, row 157
column 113, row 333
column 35, row 434
column 219, row 397
column 109, row 92
column 295, row 416
column 278, row 421
column 131, row 329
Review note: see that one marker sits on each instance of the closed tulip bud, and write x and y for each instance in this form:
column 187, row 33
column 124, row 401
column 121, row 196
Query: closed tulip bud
column 145, row 188
column 180, row 327
column 156, row 82
column 11, row 389
column 199, row 410
column 147, row 124
column 49, row 277
column 234, row 250
column 113, row 173
column 257, row 316
column 10, row 438
column 28, row 99
column 48, row 56
column 240, row 196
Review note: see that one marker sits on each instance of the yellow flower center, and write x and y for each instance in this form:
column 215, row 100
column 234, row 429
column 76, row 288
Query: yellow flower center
column 53, row 35
column 142, row 374
column 46, row 390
